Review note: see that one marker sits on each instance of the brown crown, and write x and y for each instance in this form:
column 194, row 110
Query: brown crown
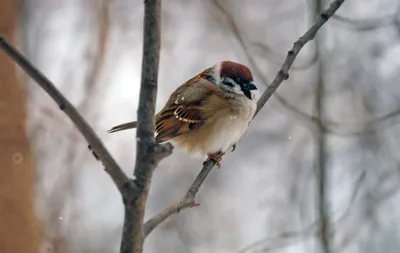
column 235, row 70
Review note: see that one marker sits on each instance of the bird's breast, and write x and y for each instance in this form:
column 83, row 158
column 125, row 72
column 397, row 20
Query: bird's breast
column 220, row 131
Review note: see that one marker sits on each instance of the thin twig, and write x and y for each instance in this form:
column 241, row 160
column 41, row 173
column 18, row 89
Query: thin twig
column 188, row 200
column 292, row 54
column 110, row 165
column 322, row 176
column 148, row 151
column 280, row 77
column 329, row 127
column 257, row 70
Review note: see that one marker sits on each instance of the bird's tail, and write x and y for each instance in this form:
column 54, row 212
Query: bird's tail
column 122, row 127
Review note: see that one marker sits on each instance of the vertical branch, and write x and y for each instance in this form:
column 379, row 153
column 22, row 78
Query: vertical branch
column 148, row 91
column 148, row 152
column 321, row 173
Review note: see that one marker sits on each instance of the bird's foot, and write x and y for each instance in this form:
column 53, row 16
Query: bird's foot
column 191, row 205
column 216, row 157
column 233, row 147
column 194, row 204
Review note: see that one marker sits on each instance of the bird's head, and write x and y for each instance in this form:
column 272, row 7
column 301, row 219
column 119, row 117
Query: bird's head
column 232, row 77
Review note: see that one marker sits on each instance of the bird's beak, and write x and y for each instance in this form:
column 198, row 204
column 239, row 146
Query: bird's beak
column 250, row 86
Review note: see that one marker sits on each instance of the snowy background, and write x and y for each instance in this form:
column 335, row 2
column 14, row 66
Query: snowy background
column 265, row 196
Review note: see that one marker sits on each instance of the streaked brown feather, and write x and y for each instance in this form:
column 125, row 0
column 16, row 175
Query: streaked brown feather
column 184, row 111
column 122, row 127
column 187, row 108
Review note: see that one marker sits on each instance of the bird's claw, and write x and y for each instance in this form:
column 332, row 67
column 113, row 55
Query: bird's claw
column 194, row 204
column 217, row 157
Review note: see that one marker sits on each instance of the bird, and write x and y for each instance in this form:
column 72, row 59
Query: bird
column 207, row 115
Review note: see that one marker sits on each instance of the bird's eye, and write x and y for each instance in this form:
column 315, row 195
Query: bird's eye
column 228, row 83
column 237, row 80
column 211, row 79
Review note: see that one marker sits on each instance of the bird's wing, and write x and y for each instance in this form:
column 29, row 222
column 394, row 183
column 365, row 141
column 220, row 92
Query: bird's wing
column 184, row 110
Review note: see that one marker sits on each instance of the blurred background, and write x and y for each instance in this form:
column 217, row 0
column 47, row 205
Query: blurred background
column 320, row 160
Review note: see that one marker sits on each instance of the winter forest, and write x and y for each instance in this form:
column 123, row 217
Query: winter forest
column 317, row 171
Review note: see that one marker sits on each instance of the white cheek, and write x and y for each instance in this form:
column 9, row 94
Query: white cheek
column 255, row 94
column 238, row 90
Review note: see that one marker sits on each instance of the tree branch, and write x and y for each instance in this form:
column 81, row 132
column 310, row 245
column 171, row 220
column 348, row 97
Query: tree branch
column 188, row 200
column 292, row 54
column 257, row 70
column 321, row 173
column 148, row 151
column 100, row 151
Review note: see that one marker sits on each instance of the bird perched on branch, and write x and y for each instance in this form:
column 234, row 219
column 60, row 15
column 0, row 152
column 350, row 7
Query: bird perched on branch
column 208, row 114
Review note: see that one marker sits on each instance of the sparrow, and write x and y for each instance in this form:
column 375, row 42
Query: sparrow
column 207, row 115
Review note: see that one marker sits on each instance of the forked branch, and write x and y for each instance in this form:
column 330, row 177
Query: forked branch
column 149, row 153
column 282, row 75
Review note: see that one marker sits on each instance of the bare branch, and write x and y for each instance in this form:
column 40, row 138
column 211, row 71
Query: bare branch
column 256, row 69
column 321, row 172
column 328, row 127
column 148, row 152
column 292, row 54
column 321, row 176
column 188, row 200
column 280, row 77
column 110, row 165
